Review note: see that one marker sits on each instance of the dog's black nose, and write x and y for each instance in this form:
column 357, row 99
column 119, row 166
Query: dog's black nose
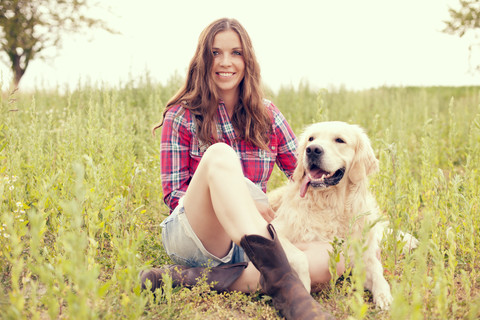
column 314, row 150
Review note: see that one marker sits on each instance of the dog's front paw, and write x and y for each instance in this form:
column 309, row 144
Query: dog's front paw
column 383, row 300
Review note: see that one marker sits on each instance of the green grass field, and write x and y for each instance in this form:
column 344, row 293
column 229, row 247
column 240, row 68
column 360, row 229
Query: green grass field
column 81, row 203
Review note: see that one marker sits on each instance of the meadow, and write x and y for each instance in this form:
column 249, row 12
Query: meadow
column 81, row 203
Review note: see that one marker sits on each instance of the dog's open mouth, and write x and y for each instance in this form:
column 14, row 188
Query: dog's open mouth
column 318, row 178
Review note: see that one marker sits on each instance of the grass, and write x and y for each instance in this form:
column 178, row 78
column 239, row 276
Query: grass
column 81, row 203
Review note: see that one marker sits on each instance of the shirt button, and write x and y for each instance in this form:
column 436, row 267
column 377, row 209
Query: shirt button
column 273, row 147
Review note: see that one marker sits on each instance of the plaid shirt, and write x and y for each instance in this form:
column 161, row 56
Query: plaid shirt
column 181, row 151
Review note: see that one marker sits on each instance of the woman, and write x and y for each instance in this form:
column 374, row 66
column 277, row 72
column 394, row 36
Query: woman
column 216, row 119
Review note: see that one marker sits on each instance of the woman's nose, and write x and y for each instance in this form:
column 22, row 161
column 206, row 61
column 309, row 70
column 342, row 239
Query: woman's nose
column 226, row 60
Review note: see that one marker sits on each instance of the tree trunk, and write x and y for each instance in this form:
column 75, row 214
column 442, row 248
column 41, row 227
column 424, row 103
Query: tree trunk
column 17, row 69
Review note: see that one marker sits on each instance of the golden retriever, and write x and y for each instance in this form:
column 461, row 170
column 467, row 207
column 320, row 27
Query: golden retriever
column 328, row 197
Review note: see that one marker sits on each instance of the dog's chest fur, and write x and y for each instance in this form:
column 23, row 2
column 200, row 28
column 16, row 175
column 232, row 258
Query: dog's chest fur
column 324, row 214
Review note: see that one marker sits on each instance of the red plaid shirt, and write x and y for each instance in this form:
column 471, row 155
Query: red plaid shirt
column 181, row 151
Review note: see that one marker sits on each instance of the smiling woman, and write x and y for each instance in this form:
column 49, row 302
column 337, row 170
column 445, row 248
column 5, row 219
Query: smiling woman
column 228, row 67
column 220, row 142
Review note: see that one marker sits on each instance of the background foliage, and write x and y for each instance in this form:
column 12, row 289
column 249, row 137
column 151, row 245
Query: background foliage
column 29, row 27
column 465, row 18
column 80, row 203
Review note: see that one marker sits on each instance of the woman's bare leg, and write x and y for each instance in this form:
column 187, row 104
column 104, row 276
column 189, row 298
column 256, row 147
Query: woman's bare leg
column 218, row 204
column 318, row 260
column 248, row 282
column 220, row 210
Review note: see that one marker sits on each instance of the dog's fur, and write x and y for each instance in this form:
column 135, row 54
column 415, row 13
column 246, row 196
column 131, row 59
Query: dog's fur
column 328, row 197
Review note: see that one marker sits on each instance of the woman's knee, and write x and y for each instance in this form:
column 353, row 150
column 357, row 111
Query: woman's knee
column 219, row 149
column 220, row 156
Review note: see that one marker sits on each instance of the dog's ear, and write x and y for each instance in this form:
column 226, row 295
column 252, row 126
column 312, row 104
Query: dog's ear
column 364, row 163
column 299, row 169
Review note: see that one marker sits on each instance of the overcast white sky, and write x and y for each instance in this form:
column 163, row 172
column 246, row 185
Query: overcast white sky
column 358, row 44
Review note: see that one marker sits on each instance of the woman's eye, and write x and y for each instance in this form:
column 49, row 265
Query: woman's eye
column 339, row 140
column 215, row 53
column 237, row 53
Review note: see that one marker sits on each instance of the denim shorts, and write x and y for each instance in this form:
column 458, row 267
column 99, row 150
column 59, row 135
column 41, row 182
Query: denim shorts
column 185, row 248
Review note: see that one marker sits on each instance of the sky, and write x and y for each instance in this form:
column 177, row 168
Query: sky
column 350, row 43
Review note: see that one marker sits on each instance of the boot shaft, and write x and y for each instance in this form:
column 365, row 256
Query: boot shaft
column 279, row 280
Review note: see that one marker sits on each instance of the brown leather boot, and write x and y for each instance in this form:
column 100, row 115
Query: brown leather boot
column 221, row 277
column 278, row 279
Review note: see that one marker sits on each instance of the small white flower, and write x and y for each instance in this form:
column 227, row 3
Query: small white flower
column 6, row 235
column 19, row 204
column 11, row 188
column 22, row 211
column 14, row 178
column 21, row 220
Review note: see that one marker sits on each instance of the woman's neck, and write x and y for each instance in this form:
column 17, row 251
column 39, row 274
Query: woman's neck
column 230, row 102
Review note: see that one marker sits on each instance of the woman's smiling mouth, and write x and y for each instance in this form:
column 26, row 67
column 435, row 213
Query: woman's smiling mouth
column 225, row 74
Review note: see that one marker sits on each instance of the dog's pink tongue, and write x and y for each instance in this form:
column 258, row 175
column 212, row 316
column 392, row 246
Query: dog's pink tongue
column 304, row 185
column 318, row 173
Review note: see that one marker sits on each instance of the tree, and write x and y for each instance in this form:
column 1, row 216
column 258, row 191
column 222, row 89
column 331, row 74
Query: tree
column 463, row 20
column 28, row 27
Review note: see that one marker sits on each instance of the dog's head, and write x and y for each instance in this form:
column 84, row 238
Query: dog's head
column 332, row 152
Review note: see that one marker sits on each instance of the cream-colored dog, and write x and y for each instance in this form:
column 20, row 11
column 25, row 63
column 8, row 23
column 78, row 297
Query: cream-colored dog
column 328, row 197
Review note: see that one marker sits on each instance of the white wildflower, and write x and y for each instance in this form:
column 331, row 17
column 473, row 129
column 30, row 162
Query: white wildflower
column 6, row 235
column 11, row 188
column 19, row 204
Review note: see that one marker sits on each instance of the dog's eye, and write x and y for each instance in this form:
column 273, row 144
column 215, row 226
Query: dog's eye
column 339, row 140
column 311, row 139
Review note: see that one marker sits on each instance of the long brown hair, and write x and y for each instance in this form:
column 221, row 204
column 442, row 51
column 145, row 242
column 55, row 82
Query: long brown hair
column 199, row 94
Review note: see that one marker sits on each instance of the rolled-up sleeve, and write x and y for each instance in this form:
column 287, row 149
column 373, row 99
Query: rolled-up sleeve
column 174, row 156
column 287, row 142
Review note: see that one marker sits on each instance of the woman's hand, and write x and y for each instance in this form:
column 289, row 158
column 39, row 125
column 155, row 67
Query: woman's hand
column 265, row 210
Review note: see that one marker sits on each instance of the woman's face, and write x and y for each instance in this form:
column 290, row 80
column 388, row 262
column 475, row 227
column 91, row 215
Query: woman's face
column 228, row 66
